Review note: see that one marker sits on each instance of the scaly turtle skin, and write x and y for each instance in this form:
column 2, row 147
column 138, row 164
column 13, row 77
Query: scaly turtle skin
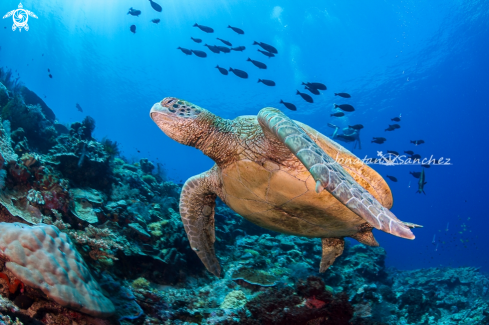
column 279, row 174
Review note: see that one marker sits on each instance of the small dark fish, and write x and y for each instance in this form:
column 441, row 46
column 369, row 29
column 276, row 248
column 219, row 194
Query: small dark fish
column 258, row 64
column 237, row 30
column 339, row 114
column 409, row 152
column 356, row 126
column 266, row 47
column 222, row 70
column 239, row 48
column 392, row 152
column 239, row 73
column 390, row 129
column 392, row 178
column 426, row 166
column 80, row 109
column 270, row 55
column 200, row 54
column 156, row 21
column 186, row 51
column 415, row 156
column 312, row 90
column 396, row 119
column 305, row 96
column 416, row 142
column 133, row 29
column 48, row 70
column 348, row 138
column 395, row 126
column 134, row 12
column 204, row 28
column 267, row 82
column 289, row 105
column 155, row 6
column 213, row 48
column 316, row 85
column 225, row 42
column 196, row 40
column 415, row 174
column 50, row 76
column 378, row 141
column 344, row 95
column 380, row 138
column 224, row 49
column 421, row 183
column 345, row 107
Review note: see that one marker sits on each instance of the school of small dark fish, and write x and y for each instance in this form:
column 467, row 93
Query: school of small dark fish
column 269, row 51
column 414, row 157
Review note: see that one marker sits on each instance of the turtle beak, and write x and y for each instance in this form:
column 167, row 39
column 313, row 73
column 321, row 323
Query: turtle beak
column 157, row 109
column 164, row 107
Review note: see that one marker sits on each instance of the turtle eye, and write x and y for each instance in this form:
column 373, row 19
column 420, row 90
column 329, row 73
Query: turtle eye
column 167, row 102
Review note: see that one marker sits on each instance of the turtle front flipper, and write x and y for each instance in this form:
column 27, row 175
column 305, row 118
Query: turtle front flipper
column 197, row 203
column 329, row 174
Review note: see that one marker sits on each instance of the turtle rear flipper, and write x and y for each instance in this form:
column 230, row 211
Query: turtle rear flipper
column 329, row 174
column 332, row 248
column 197, row 203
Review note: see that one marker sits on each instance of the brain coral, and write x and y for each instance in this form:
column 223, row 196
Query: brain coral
column 44, row 258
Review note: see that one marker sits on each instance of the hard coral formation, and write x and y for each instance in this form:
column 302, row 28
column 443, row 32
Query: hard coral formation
column 43, row 258
column 256, row 277
column 83, row 161
column 234, row 299
column 82, row 204
column 140, row 283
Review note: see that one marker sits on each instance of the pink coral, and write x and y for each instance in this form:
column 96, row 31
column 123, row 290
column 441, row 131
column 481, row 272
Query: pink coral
column 312, row 303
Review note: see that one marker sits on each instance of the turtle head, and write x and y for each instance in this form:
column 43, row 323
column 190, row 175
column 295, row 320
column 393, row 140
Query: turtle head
column 182, row 121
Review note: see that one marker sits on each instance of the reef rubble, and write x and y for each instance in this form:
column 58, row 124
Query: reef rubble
column 111, row 248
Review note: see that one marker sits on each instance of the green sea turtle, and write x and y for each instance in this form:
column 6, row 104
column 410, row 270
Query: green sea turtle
column 279, row 174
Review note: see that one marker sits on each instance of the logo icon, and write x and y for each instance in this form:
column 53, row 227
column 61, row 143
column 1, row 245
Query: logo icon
column 20, row 17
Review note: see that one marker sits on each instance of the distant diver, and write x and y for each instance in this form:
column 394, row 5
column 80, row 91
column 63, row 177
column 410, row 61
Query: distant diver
column 421, row 183
column 349, row 135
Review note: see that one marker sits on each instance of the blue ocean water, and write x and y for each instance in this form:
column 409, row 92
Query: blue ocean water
column 424, row 60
